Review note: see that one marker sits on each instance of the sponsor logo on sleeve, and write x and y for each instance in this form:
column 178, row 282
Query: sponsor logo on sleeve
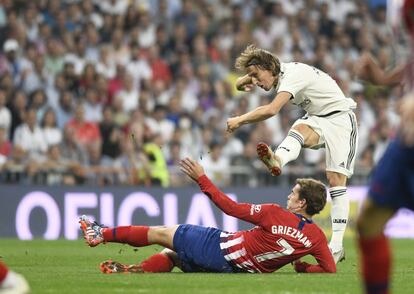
column 255, row 208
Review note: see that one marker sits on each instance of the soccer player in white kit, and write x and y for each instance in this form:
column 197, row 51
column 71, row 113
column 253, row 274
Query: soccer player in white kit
column 329, row 123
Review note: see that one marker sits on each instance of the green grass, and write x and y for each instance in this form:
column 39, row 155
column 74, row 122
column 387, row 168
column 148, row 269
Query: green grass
column 72, row 267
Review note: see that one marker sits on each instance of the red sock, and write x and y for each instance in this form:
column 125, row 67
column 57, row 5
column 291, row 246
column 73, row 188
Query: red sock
column 3, row 272
column 133, row 235
column 376, row 264
column 157, row 263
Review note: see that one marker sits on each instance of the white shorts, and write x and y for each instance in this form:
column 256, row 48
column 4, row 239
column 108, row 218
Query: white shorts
column 338, row 134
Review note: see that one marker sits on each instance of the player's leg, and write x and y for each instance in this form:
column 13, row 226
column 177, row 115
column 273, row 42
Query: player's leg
column 339, row 212
column 196, row 249
column 300, row 135
column 340, row 134
column 374, row 246
column 137, row 236
column 158, row 263
column 391, row 187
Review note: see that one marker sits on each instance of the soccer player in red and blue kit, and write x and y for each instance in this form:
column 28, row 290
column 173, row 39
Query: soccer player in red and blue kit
column 392, row 183
column 281, row 236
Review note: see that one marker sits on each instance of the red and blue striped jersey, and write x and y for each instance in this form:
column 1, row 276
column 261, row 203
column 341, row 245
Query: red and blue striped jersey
column 279, row 237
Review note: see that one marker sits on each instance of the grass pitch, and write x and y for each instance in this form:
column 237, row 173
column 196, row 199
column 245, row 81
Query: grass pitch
column 72, row 267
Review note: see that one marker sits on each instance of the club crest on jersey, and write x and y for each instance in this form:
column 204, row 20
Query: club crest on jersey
column 255, row 208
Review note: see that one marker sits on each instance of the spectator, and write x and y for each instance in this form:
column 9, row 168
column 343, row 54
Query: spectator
column 93, row 106
column 5, row 114
column 5, row 146
column 30, row 137
column 216, row 165
column 35, row 78
column 10, row 62
column 64, row 110
column 52, row 134
column 156, row 162
column 111, row 135
column 128, row 94
column 85, row 132
column 159, row 124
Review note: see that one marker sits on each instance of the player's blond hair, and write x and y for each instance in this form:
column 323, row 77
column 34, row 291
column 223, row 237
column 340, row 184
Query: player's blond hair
column 261, row 58
column 314, row 192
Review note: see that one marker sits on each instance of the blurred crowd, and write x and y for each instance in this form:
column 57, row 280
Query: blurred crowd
column 118, row 91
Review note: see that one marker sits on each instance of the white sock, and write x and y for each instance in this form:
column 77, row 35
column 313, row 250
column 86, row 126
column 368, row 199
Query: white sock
column 339, row 216
column 290, row 148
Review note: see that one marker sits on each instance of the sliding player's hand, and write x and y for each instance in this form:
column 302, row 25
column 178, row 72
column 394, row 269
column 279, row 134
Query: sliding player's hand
column 299, row 266
column 407, row 119
column 191, row 168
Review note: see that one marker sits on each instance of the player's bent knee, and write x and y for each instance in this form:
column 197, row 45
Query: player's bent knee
column 336, row 179
column 309, row 135
column 302, row 128
column 362, row 224
column 172, row 255
column 372, row 220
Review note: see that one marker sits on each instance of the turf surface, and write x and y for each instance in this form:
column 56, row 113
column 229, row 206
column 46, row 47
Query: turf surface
column 72, row 267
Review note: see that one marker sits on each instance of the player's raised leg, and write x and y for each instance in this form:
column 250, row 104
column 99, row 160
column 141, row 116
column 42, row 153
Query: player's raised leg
column 299, row 136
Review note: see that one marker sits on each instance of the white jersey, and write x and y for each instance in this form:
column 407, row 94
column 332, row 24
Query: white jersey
column 312, row 89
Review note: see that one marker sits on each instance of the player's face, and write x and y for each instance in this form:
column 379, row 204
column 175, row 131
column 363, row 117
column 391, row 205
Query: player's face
column 295, row 204
column 261, row 78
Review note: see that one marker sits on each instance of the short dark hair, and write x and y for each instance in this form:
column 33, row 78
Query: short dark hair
column 314, row 192
column 261, row 58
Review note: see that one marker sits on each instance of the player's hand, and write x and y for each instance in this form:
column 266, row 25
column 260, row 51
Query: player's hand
column 191, row 168
column 362, row 68
column 233, row 123
column 407, row 119
column 299, row 266
column 244, row 83
column 246, row 88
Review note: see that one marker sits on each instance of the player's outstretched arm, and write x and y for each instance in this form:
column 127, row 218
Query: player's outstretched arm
column 260, row 113
column 243, row 211
column 368, row 69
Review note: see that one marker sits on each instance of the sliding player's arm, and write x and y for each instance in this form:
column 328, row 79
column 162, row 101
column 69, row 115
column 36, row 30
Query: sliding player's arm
column 248, row 212
column 323, row 256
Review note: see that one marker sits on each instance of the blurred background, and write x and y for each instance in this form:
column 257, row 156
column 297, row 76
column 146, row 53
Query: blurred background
column 116, row 92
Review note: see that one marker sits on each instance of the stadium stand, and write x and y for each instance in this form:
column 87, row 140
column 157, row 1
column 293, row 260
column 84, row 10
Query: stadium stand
column 78, row 78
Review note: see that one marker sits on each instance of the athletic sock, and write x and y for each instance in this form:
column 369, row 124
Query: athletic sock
column 290, row 147
column 133, row 235
column 339, row 216
column 157, row 263
column 3, row 272
column 376, row 264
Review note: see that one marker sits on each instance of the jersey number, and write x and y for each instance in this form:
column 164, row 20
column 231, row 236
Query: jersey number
column 287, row 249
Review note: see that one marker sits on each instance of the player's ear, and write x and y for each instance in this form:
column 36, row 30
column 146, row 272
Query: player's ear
column 303, row 202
